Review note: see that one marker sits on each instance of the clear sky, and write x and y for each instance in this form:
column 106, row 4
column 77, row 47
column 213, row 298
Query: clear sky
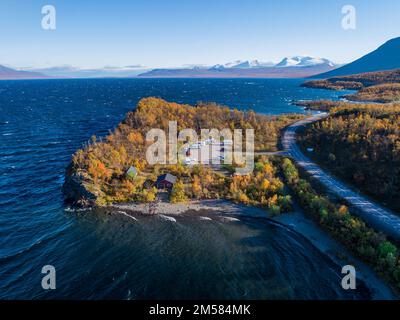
column 169, row 33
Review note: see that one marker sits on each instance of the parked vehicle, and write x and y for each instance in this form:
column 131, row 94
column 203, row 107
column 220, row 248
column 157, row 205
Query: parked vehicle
column 195, row 146
column 227, row 143
column 189, row 161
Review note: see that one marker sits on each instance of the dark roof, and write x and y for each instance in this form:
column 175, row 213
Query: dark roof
column 167, row 177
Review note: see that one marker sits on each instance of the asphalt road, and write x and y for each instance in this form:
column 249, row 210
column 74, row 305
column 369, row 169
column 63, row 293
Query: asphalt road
column 376, row 216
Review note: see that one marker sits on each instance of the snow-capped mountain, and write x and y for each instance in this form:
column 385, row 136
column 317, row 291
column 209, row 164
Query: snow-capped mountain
column 253, row 64
column 242, row 64
column 304, row 61
column 297, row 61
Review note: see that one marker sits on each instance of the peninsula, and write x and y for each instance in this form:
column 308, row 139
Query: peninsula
column 114, row 169
column 113, row 172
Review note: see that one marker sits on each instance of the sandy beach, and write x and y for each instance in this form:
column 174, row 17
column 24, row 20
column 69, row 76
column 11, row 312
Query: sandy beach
column 295, row 221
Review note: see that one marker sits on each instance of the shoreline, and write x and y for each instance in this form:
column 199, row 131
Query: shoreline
column 304, row 226
column 295, row 221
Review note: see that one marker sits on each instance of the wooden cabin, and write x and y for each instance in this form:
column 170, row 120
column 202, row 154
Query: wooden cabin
column 166, row 181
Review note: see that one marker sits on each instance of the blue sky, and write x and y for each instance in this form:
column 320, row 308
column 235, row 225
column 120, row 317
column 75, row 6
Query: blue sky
column 170, row 33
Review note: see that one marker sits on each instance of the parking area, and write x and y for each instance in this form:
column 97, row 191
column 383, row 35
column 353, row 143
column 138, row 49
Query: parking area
column 208, row 152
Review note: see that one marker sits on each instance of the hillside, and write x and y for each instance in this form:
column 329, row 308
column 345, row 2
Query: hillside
column 386, row 57
column 382, row 87
column 381, row 93
column 356, row 81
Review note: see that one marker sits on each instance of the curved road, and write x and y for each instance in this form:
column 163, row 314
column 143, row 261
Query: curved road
column 378, row 217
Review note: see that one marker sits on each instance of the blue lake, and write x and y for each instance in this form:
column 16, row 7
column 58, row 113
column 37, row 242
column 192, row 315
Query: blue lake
column 98, row 256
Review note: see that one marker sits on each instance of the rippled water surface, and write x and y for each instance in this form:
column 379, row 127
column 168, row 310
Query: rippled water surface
column 101, row 256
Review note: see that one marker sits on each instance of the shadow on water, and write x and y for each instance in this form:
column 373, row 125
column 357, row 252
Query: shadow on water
column 253, row 258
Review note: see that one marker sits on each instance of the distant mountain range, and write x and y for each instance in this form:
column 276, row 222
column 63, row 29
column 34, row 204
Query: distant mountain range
column 293, row 67
column 300, row 61
column 12, row 74
column 386, row 57
column 106, row 72
column 240, row 64
column 290, row 67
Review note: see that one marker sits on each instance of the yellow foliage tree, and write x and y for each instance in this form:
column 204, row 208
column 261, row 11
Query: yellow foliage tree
column 197, row 188
column 97, row 170
column 178, row 193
